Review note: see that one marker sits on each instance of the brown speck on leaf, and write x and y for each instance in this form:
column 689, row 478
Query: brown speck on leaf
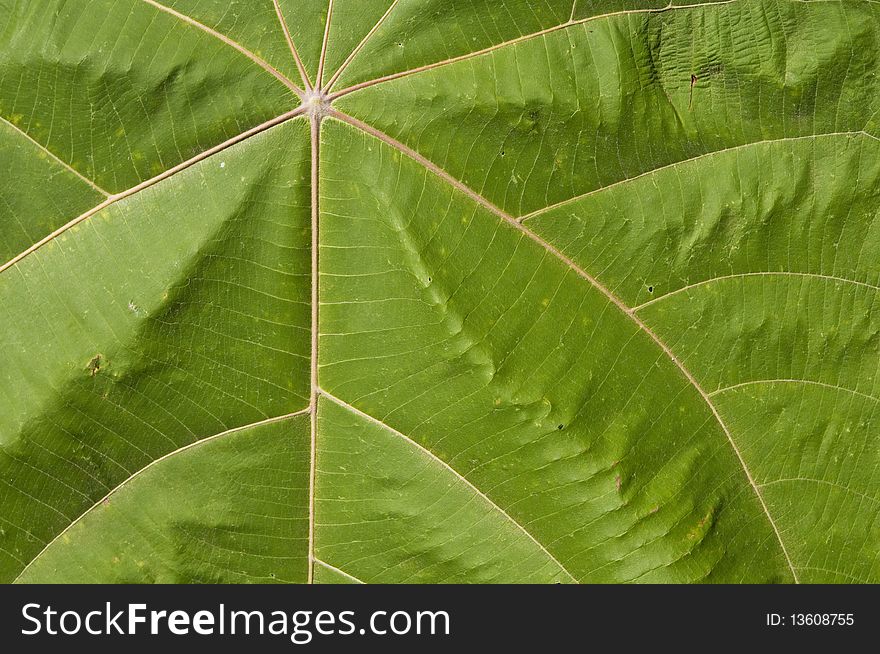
column 700, row 528
column 618, row 481
column 694, row 80
column 94, row 365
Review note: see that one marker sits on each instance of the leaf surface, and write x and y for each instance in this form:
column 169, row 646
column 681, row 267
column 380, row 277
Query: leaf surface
column 386, row 291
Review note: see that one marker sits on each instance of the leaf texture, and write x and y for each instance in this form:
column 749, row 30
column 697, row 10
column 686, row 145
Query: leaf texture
column 398, row 291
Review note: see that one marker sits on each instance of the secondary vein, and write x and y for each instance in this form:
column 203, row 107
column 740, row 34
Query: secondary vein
column 299, row 64
column 458, row 475
column 155, row 462
column 247, row 53
column 519, row 39
column 360, row 45
column 760, row 273
column 150, row 182
column 56, row 158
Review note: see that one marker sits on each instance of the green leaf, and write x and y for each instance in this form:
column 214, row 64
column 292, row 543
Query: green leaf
column 408, row 291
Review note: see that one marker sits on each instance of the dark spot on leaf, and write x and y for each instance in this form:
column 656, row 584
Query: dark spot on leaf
column 560, row 426
column 95, row 364
column 650, row 289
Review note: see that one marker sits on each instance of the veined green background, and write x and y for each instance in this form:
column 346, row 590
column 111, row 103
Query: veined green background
column 596, row 291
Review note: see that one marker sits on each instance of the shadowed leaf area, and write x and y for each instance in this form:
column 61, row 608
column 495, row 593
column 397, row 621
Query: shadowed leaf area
column 439, row 291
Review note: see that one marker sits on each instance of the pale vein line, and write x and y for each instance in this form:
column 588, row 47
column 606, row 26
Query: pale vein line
column 152, row 181
column 520, row 39
column 442, row 174
column 808, row 382
column 324, row 564
column 299, row 64
column 811, row 567
column 760, row 273
column 573, row 11
column 151, row 464
column 360, row 46
column 412, row 154
column 247, row 53
column 823, row 482
column 464, row 480
column 55, row 158
column 713, row 153
column 320, row 79
column 315, row 138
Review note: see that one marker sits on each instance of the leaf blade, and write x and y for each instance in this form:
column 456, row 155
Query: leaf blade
column 218, row 511
column 174, row 330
